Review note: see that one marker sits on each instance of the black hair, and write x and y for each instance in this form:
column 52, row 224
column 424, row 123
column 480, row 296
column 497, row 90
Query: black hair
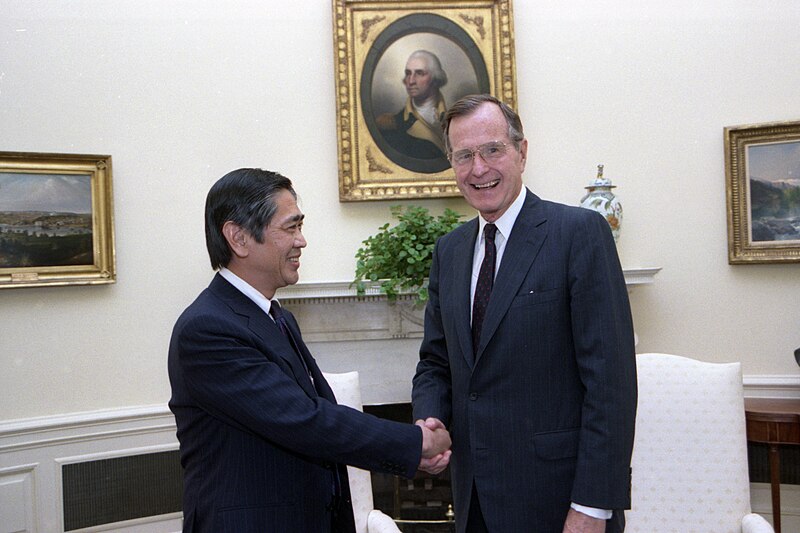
column 245, row 197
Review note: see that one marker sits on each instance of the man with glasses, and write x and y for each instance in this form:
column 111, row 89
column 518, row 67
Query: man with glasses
column 528, row 354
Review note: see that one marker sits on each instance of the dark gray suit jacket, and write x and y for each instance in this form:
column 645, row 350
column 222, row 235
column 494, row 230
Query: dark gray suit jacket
column 260, row 447
column 544, row 415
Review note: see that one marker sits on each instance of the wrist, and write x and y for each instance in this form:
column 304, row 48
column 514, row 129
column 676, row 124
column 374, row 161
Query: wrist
column 601, row 514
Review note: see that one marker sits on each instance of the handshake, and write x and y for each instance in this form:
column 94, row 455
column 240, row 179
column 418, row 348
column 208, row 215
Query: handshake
column 435, row 446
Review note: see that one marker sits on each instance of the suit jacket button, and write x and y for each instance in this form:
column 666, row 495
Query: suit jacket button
column 473, row 396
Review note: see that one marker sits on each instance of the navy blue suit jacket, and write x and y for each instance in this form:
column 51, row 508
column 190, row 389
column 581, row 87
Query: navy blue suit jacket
column 544, row 414
column 260, row 447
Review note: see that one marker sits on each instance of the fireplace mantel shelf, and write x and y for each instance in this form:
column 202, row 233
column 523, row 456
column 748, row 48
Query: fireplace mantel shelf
column 333, row 311
column 342, row 291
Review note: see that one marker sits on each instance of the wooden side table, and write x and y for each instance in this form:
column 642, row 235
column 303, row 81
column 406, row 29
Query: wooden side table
column 773, row 421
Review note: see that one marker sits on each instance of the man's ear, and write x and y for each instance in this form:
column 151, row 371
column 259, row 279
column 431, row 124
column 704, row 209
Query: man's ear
column 523, row 152
column 237, row 238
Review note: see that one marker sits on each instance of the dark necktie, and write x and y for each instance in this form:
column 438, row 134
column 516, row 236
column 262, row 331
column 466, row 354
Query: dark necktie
column 483, row 289
column 280, row 319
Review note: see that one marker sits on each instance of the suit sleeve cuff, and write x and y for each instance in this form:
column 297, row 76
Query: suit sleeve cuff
column 602, row 514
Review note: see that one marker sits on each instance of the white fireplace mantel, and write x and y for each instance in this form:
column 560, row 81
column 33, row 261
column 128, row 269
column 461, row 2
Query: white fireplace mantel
column 344, row 290
column 333, row 311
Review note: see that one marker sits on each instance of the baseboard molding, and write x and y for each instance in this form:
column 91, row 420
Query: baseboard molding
column 90, row 425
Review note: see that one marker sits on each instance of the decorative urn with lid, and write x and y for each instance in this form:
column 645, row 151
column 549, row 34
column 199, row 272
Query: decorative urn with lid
column 600, row 198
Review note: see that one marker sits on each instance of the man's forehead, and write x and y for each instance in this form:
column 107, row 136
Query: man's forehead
column 288, row 211
column 417, row 63
column 477, row 128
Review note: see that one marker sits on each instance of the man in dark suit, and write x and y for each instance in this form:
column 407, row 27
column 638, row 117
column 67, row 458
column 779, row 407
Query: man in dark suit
column 528, row 353
column 263, row 443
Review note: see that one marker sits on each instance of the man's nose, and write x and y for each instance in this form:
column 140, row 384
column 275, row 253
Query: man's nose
column 479, row 165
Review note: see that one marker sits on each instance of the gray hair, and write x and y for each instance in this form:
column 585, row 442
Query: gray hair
column 468, row 105
column 434, row 65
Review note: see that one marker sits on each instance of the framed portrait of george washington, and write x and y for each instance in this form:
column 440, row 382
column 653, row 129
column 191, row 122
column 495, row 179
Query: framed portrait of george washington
column 56, row 220
column 399, row 65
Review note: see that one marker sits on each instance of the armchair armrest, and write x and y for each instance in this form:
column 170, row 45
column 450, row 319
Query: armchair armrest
column 377, row 522
column 754, row 523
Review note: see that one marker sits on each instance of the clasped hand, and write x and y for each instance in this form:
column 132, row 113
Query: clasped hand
column 435, row 446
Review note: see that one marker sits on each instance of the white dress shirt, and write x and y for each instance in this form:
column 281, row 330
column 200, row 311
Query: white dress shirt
column 504, row 226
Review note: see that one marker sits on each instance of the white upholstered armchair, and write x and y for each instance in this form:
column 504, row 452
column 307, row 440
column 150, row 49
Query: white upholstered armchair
column 690, row 450
column 347, row 390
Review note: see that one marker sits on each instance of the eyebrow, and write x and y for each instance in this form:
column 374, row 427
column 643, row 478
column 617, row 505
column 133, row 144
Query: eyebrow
column 295, row 218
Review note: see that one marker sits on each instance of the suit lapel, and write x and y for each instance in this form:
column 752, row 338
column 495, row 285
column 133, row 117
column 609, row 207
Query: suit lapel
column 265, row 328
column 322, row 388
column 521, row 250
column 462, row 274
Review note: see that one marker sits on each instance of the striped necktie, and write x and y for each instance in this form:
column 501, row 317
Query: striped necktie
column 483, row 289
column 280, row 319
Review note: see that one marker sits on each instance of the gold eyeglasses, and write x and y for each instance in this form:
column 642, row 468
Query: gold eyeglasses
column 491, row 151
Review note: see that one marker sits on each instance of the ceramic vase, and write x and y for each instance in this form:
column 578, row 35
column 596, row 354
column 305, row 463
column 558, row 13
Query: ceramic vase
column 600, row 198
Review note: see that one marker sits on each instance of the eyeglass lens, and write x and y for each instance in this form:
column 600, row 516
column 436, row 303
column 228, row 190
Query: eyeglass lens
column 489, row 151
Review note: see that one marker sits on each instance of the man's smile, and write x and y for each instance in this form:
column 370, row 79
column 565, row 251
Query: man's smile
column 488, row 185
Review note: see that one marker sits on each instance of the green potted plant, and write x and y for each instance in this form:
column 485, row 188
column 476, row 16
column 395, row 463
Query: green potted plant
column 399, row 257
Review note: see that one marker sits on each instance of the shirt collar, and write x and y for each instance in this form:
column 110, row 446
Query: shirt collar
column 506, row 222
column 245, row 288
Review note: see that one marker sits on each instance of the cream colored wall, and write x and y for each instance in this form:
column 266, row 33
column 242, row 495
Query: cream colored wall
column 181, row 92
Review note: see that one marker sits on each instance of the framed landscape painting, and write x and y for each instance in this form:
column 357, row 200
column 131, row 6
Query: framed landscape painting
column 763, row 192
column 56, row 220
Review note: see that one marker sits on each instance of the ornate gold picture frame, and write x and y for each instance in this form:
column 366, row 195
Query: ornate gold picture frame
column 56, row 220
column 762, row 164
column 387, row 150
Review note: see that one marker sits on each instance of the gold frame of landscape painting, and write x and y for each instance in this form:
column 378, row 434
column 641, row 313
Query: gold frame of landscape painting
column 56, row 220
column 473, row 41
column 762, row 164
